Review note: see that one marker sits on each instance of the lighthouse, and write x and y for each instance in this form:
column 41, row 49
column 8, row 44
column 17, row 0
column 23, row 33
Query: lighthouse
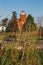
column 23, row 17
column 22, row 20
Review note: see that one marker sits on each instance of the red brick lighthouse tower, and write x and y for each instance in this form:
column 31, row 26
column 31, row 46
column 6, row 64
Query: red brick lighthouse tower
column 23, row 17
column 22, row 20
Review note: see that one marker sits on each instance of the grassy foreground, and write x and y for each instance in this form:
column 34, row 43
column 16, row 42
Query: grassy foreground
column 19, row 49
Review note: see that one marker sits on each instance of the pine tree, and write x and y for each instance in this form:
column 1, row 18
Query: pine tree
column 13, row 26
column 4, row 21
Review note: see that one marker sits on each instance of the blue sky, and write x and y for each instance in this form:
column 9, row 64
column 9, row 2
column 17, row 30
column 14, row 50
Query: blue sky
column 34, row 7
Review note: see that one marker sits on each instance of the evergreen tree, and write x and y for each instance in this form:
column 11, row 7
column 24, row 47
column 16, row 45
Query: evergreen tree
column 30, row 19
column 30, row 23
column 13, row 26
column 4, row 21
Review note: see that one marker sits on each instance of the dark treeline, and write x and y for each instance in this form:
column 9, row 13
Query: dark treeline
column 12, row 25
